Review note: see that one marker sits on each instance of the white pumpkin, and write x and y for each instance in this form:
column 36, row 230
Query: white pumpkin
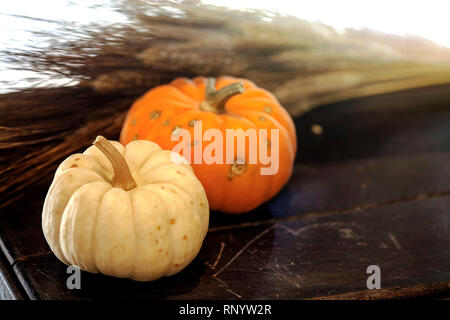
column 134, row 212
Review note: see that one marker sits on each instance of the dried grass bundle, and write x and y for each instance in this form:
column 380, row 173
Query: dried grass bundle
column 305, row 64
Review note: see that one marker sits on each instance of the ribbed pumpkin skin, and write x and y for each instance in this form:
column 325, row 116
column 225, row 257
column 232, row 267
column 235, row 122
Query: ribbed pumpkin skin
column 164, row 108
column 151, row 231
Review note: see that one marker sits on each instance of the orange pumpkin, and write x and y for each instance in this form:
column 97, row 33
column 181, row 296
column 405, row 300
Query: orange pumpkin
column 225, row 103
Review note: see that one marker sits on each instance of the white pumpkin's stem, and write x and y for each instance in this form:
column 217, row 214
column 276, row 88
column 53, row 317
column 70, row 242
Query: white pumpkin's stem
column 216, row 100
column 122, row 176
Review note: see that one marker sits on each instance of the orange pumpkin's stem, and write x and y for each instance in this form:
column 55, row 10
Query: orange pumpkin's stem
column 216, row 99
column 122, row 176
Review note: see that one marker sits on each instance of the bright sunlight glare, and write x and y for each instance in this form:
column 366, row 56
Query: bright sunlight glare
column 428, row 19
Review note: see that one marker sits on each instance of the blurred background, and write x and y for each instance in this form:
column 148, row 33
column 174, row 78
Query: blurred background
column 42, row 42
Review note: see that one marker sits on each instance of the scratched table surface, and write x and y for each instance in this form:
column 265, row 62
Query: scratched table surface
column 372, row 189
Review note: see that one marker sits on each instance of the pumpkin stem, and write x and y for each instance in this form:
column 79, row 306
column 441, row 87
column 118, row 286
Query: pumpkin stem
column 216, row 99
column 122, row 176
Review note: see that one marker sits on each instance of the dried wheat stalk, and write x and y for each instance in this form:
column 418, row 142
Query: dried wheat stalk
column 305, row 64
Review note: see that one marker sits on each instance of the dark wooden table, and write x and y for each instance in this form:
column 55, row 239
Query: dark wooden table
column 372, row 189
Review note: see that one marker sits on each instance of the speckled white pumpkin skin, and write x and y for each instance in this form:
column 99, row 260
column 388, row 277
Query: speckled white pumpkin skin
column 153, row 230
